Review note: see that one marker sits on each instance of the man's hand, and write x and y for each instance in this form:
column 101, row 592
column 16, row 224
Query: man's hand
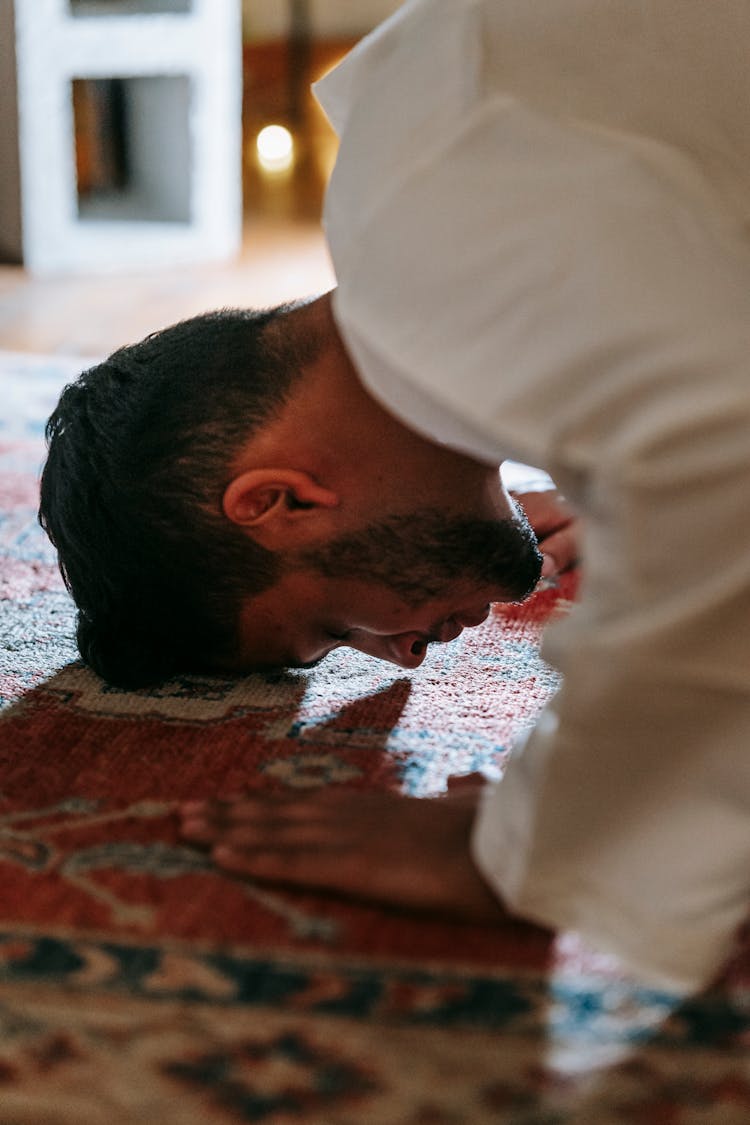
column 556, row 527
column 371, row 846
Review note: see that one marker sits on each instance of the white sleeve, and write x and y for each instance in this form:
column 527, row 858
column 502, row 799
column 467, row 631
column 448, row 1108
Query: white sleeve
column 626, row 814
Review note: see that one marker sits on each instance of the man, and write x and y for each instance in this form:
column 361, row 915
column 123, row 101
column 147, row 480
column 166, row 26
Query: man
column 539, row 226
column 539, row 223
column 225, row 495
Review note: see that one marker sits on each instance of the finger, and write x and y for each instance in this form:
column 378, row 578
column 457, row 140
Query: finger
column 546, row 511
column 285, row 835
column 275, row 830
column 561, row 547
column 291, row 867
column 197, row 830
column 220, row 808
column 549, row 567
column 253, row 810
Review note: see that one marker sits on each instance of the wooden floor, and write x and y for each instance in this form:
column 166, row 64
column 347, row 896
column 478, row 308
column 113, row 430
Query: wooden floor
column 281, row 258
column 283, row 254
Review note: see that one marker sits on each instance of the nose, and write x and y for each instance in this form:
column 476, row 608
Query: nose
column 449, row 630
column 471, row 620
column 408, row 650
column 454, row 626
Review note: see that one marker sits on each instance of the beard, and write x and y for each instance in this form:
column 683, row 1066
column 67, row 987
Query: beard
column 423, row 555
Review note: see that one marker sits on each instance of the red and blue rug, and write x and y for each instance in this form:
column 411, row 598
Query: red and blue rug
column 140, row 984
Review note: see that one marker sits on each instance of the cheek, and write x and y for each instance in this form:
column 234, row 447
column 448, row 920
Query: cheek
column 374, row 610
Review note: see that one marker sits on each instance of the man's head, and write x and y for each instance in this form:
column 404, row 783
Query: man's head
column 225, row 495
column 131, row 491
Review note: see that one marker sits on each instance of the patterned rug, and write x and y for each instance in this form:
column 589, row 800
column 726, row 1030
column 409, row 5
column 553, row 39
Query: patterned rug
column 139, row 984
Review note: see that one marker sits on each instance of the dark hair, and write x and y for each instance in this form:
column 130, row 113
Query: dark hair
column 139, row 455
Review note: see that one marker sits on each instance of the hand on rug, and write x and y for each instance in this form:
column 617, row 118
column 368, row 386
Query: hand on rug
column 374, row 846
column 555, row 525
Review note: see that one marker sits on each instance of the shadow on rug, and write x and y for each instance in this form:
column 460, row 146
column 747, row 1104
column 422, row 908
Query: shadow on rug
column 140, row 984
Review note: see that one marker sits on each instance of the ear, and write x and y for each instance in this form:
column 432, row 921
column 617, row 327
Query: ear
column 274, row 503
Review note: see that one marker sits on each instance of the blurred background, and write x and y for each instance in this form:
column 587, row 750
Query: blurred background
column 288, row 44
column 287, row 152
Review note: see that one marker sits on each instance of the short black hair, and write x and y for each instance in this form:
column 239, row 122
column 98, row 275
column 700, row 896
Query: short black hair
column 139, row 455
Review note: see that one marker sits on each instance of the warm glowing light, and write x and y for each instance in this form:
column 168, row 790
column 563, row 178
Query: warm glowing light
column 275, row 146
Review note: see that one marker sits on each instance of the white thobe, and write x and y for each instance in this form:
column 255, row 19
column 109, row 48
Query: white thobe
column 539, row 225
